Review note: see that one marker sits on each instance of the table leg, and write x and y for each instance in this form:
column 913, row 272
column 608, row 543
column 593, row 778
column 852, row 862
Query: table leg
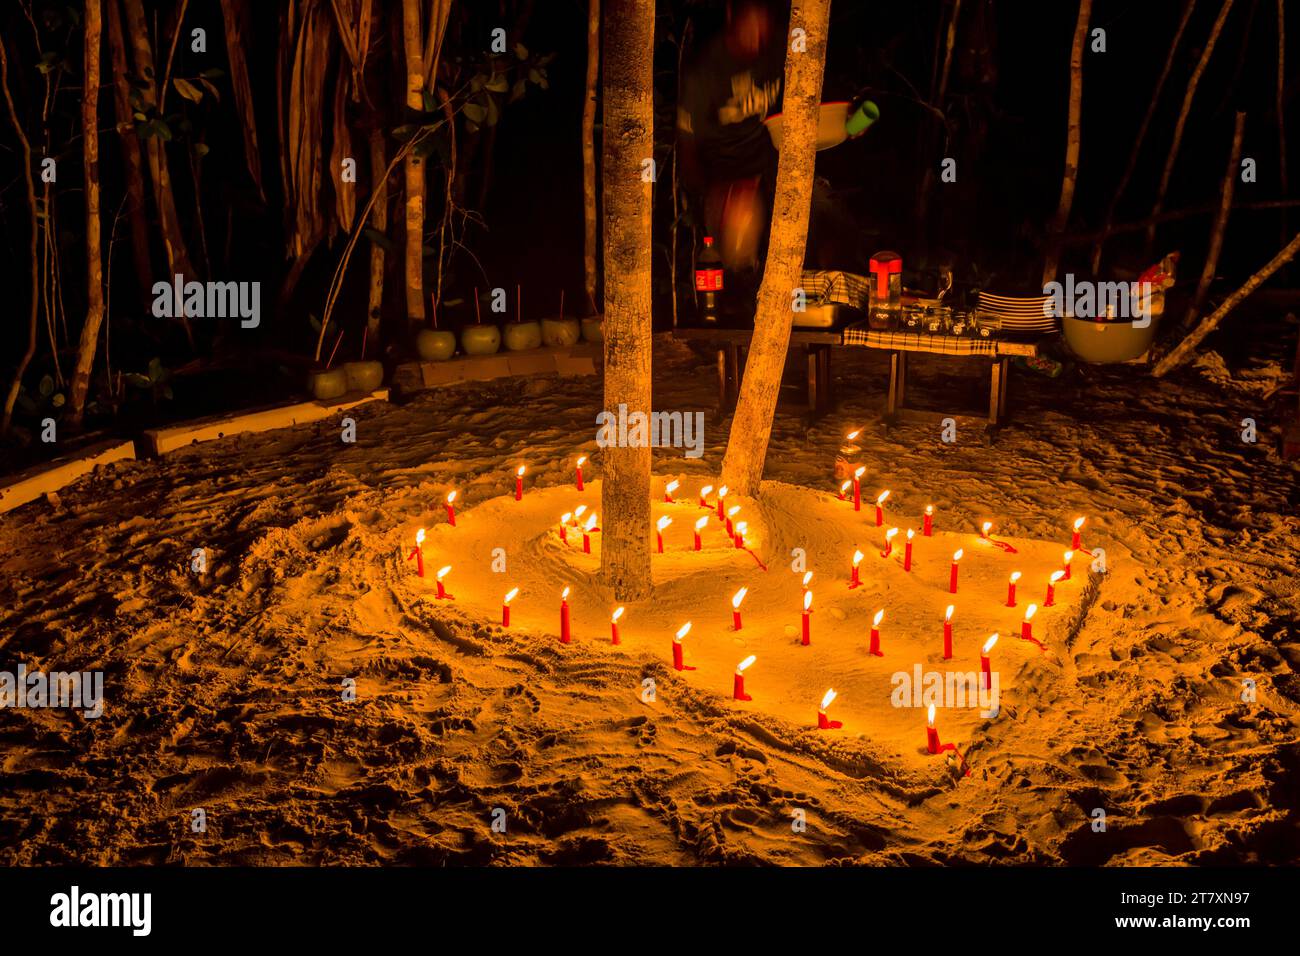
column 827, row 380
column 891, row 401
column 1006, row 383
column 995, row 390
column 723, row 384
column 814, row 389
column 902, row 380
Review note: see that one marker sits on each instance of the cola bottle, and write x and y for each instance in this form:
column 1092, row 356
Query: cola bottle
column 708, row 282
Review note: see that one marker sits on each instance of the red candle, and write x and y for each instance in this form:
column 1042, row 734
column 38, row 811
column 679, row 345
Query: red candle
column 854, row 581
column 947, row 633
column 931, row 734
column 451, row 508
column 699, row 526
column 565, row 636
column 442, row 573
column 907, row 550
column 668, row 492
column 880, row 509
column 986, row 672
column 1074, row 541
column 564, row 526
column 927, row 527
column 578, row 469
column 889, row 542
column 505, row 606
column 741, row 527
column 659, row 531
column 985, row 528
column 722, row 494
column 1066, row 559
column 586, row 533
column 952, row 576
column 678, row 662
column 731, row 515
column 857, row 488
column 418, row 553
column 1026, row 626
column 844, row 489
column 704, row 496
column 613, row 626
column 738, row 688
column 519, row 484
column 735, row 607
column 1011, row 588
column 1051, row 588
column 807, row 612
column 875, row 650
column 823, row 723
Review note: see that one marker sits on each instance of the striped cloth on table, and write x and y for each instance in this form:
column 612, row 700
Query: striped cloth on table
column 832, row 285
column 861, row 334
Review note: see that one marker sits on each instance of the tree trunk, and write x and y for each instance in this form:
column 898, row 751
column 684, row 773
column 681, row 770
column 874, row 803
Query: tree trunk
column 413, row 168
column 628, row 141
column 938, row 92
column 751, row 427
column 132, row 161
column 33, row 238
column 1280, row 103
column 1072, row 141
column 378, row 222
column 1220, row 223
column 94, row 254
column 1182, row 119
column 589, row 156
column 234, row 16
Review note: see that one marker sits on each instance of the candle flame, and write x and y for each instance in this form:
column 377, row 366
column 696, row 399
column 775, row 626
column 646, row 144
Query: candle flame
column 442, row 571
column 880, row 616
column 704, row 492
column 1068, row 556
column 910, row 534
column 419, row 536
column 857, row 559
column 577, row 512
column 451, row 496
column 699, row 525
column 1015, row 576
column 828, row 699
column 564, row 595
column 742, row 527
column 510, row 595
column 807, row 577
column 591, row 522
column 564, row 518
column 582, row 461
column 860, row 472
column 807, row 601
column 1056, row 576
column 930, row 717
column 683, row 631
column 988, row 645
column 956, row 555
column 880, row 500
column 618, row 612
column 722, row 492
column 671, row 486
column 731, row 512
column 889, row 535
column 520, row 472
column 738, row 597
column 740, row 668
column 985, row 528
column 663, row 522
column 947, row 615
column 1031, row 611
column 1078, row 523
column 929, row 509
column 852, row 435
column 845, row 487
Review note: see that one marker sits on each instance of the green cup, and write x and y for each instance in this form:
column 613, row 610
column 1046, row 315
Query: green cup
column 862, row 118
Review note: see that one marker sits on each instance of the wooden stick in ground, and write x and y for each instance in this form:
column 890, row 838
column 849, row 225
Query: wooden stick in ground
column 1183, row 112
column 1072, row 142
column 1280, row 101
column 1220, row 223
column 1109, row 218
column 1210, row 322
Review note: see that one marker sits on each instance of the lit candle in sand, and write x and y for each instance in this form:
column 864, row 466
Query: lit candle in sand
column 907, row 550
column 952, row 575
column 442, row 573
column 1078, row 527
column 824, row 723
column 417, row 554
column 565, row 636
column 699, row 526
column 660, row 525
column 1011, row 588
column 586, row 533
column 613, row 626
column 741, row 528
column 1051, row 588
column 578, row 512
column 880, row 509
column 844, row 488
column 738, row 688
column 857, row 488
column 985, row 528
column 564, row 526
column 735, row 607
column 678, row 663
column 986, row 671
column 889, row 542
column 927, row 525
column 854, row 581
column 505, row 606
column 807, row 614
column 931, row 733
column 1027, row 626
column 519, row 483
column 807, row 580
column 731, row 516
column 947, row 632
column 722, row 495
column 704, row 496
column 668, row 491
column 578, row 470
column 1065, row 564
column 875, row 650
column 450, row 505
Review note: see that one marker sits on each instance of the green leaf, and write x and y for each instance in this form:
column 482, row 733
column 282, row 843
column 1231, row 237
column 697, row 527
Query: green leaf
column 518, row 90
column 404, row 133
column 477, row 83
column 212, row 74
column 474, row 113
column 138, row 380
column 429, row 100
column 493, row 113
column 521, row 51
column 161, row 129
column 155, row 369
column 202, row 149
column 140, row 116
column 46, row 387
column 534, row 76
column 499, row 83
column 187, row 89
column 211, row 88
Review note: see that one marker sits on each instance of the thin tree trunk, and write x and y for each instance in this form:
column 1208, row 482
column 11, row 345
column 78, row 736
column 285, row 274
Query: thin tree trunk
column 938, row 91
column 1220, row 223
column 413, row 168
column 1181, row 125
column 378, row 222
column 1109, row 218
column 1280, row 103
column 93, row 29
column 589, row 156
column 234, row 15
column 751, row 427
column 132, row 162
column 1072, row 142
column 1210, row 322
column 628, row 141
column 33, row 236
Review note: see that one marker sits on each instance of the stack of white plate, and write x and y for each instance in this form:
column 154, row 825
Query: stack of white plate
column 1025, row 314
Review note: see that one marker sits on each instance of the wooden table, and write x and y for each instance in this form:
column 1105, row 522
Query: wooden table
column 816, row 344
